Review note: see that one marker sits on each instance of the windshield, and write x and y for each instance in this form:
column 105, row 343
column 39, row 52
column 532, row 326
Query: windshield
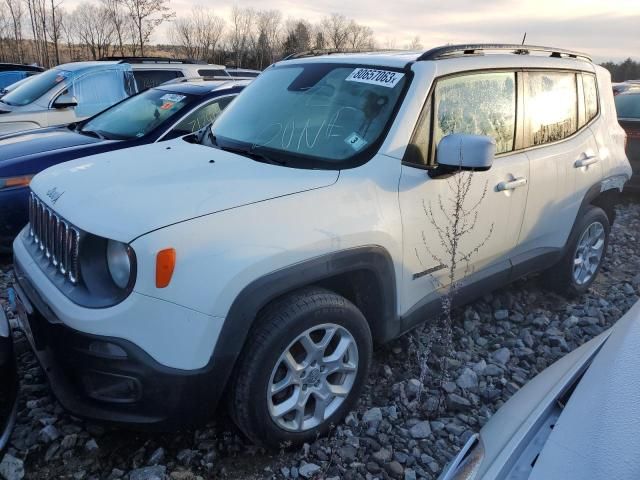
column 628, row 105
column 325, row 113
column 138, row 115
column 36, row 87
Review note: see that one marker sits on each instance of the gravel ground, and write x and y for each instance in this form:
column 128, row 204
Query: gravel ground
column 500, row 342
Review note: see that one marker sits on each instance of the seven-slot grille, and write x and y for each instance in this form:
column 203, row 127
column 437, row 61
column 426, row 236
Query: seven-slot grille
column 54, row 237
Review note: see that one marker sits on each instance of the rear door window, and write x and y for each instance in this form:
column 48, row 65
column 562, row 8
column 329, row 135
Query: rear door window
column 152, row 78
column 551, row 107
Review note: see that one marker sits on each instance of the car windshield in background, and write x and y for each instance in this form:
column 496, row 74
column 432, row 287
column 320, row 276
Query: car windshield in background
column 138, row 115
column 628, row 105
column 36, row 87
column 317, row 111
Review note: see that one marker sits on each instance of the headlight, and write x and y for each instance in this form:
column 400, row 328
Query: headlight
column 119, row 263
column 15, row 182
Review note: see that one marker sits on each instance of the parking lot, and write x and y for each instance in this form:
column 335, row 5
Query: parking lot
column 500, row 342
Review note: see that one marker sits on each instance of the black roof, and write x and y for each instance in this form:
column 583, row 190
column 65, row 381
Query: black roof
column 12, row 67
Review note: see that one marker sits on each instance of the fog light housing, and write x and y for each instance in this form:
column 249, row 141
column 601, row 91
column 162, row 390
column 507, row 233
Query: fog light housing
column 111, row 388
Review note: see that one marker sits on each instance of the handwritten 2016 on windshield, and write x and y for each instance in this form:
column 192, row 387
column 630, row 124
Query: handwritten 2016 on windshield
column 384, row 78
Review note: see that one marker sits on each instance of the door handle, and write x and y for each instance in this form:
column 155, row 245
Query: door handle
column 586, row 161
column 512, row 185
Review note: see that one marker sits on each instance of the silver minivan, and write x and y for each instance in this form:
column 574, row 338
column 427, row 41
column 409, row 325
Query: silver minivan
column 65, row 94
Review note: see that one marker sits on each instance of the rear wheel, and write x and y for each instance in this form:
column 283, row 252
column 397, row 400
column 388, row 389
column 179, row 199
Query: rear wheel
column 302, row 369
column 587, row 245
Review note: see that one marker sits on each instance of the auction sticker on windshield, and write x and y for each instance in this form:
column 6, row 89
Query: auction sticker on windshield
column 383, row 78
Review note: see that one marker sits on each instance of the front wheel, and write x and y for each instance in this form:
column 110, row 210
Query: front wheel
column 302, row 369
column 586, row 248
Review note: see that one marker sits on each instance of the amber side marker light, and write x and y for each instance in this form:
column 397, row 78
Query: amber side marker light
column 22, row 181
column 165, row 263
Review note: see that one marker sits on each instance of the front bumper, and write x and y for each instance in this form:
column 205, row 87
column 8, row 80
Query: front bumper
column 8, row 382
column 111, row 379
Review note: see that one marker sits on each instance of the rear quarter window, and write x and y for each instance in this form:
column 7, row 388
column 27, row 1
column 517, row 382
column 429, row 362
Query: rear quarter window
column 590, row 88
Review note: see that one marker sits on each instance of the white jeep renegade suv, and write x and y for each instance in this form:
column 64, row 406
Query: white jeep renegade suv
column 265, row 257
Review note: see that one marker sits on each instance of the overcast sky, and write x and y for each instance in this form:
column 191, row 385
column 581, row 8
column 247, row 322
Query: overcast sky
column 607, row 29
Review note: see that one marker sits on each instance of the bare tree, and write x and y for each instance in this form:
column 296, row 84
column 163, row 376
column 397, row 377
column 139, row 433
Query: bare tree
column 359, row 36
column 268, row 24
column 240, row 37
column 415, row 44
column 93, row 29
column 454, row 222
column 146, row 16
column 199, row 34
column 16, row 13
column 120, row 21
column 335, row 28
column 56, row 25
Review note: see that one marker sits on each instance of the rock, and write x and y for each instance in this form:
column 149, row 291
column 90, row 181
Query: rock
column 420, row 430
column 409, row 474
column 91, row 446
column 383, row 455
column 394, row 469
column 493, row 371
column 413, row 388
column 157, row 472
column 456, row 402
column 468, row 379
column 48, row 434
column 11, row 468
column 69, row 441
column 501, row 314
column 348, row 454
column 156, row 457
column 308, row 470
column 372, row 415
column 502, row 355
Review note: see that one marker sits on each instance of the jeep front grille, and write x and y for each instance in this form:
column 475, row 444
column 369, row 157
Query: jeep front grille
column 54, row 237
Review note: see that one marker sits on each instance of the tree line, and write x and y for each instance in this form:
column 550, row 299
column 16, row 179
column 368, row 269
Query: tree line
column 627, row 70
column 44, row 32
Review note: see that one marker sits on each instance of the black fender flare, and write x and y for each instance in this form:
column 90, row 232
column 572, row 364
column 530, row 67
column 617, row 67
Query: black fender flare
column 260, row 292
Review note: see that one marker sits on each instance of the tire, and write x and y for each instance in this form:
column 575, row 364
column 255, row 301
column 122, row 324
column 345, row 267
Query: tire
column 312, row 313
column 565, row 276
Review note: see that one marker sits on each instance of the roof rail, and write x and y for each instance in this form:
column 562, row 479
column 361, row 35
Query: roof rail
column 152, row 60
column 479, row 48
column 332, row 51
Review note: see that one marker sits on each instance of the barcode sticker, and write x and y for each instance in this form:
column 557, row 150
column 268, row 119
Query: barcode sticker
column 383, row 78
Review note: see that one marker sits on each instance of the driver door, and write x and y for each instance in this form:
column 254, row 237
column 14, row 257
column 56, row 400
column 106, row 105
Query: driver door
column 492, row 202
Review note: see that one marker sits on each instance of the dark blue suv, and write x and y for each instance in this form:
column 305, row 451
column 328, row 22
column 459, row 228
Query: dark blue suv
column 158, row 114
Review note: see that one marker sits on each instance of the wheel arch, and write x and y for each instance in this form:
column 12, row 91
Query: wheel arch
column 606, row 195
column 364, row 275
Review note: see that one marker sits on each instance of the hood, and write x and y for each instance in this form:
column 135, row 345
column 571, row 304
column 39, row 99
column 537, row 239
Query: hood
column 124, row 194
column 19, row 118
column 38, row 141
column 596, row 435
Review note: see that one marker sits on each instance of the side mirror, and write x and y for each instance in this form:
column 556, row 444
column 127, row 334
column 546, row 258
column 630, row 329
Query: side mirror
column 460, row 151
column 66, row 100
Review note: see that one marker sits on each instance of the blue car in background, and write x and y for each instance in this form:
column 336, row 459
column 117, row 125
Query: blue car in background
column 11, row 73
column 157, row 114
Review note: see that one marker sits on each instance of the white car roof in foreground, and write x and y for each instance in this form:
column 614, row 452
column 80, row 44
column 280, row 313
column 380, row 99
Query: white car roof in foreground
column 598, row 433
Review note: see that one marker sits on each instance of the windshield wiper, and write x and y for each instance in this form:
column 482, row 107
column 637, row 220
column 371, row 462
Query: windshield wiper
column 252, row 154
